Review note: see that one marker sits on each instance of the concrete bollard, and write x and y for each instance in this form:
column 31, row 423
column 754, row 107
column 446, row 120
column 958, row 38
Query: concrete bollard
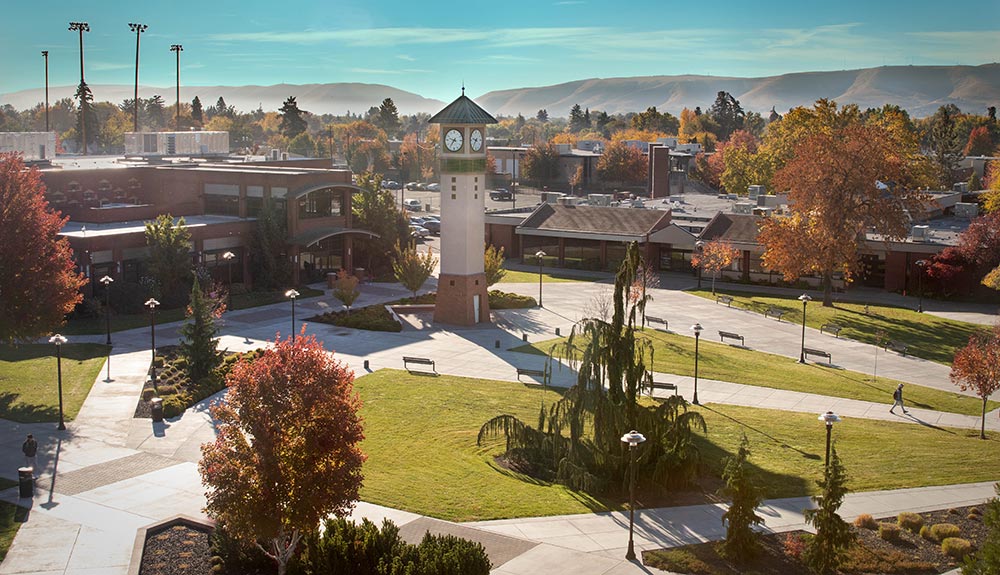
column 557, row 332
column 366, row 365
column 524, row 337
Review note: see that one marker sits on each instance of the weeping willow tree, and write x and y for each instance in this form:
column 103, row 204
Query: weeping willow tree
column 577, row 440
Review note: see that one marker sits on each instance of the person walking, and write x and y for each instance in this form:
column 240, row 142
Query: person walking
column 30, row 449
column 897, row 397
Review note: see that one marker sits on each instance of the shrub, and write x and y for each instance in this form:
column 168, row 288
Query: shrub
column 925, row 532
column 238, row 289
column 975, row 511
column 174, row 405
column 866, row 521
column 794, row 544
column 372, row 318
column 888, row 532
column 910, row 521
column 166, row 389
column 148, row 393
column 956, row 547
column 953, row 511
column 504, row 300
column 942, row 531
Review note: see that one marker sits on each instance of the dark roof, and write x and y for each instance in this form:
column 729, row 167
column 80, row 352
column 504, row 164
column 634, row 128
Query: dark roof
column 309, row 237
column 463, row 111
column 738, row 228
column 597, row 219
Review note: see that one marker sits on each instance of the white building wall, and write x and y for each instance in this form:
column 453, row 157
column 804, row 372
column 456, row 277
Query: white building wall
column 31, row 145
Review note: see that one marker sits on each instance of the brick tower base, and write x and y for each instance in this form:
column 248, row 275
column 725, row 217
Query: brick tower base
column 455, row 299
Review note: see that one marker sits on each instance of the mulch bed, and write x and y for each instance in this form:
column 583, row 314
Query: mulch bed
column 911, row 555
column 177, row 550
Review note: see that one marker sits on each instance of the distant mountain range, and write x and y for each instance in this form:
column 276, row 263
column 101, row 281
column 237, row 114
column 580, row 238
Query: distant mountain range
column 918, row 89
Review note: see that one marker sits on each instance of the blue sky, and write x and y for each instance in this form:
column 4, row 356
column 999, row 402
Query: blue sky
column 432, row 47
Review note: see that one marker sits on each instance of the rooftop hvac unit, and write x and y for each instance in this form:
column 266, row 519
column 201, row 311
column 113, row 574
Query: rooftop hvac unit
column 744, row 208
column 966, row 210
column 284, row 156
column 920, row 232
column 275, row 155
column 960, row 187
column 599, row 199
column 755, row 191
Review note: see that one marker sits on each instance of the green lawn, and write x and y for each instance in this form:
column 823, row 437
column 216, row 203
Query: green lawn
column 675, row 354
column 519, row 277
column 29, row 386
column 422, row 454
column 9, row 525
column 928, row 336
column 97, row 325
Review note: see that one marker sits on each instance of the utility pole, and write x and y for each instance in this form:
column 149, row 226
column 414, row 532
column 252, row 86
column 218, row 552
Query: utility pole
column 82, row 27
column 138, row 29
column 45, row 54
column 177, row 48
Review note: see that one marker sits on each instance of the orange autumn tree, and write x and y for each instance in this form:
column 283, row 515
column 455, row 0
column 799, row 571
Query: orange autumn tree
column 842, row 182
column 714, row 257
column 976, row 367
column 286, row 454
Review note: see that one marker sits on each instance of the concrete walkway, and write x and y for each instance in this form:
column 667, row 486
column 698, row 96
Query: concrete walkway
column 109, row 473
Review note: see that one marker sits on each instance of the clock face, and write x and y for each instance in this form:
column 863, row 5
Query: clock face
column 476, row 140
column 453, row 140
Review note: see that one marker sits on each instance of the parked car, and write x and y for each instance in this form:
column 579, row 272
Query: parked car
column 393, row 185
column 435, row 187
column 419, row 231
column 501, row 195
column 434, row 226
column 412, row 186
column 412, row 204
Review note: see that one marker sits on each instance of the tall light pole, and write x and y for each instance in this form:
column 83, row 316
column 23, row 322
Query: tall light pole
column 921, row 264
column 228, row 256
column 106, row 280
column 696, row 328
column 151, row 304
column 804, row 298
column 292, row 294
column 700, row 245
column 177, row 49
column 82, row 27
column 633, row 439
column 540, row 254
column 45, row 54
column 58, row 340
column 829, row 418
column 138, row 29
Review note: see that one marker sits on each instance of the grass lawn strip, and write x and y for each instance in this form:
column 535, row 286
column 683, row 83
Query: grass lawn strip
column 519, row 277
column 675, row 354
column 29, row 391
column 8, row 526
column 926, row 335
column 422, row 454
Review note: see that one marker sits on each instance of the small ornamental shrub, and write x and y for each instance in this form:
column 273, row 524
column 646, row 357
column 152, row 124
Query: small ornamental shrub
column 866, row 521
column 975, row 511
column 148, row 393
column 953, row 511
column 888, row 532
column 925, row 532
column 912, row 522
column 166, row 389
column 173, row 405
column 794, row 544
column 956, row 547
column 942, row 531
column 974, row 517
column 372, row 318
column 504, row 300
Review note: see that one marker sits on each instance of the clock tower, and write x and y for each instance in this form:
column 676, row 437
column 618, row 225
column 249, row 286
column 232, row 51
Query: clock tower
column 462, row 297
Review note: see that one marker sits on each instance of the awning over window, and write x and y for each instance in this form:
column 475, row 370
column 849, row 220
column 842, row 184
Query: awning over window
column 310, row 237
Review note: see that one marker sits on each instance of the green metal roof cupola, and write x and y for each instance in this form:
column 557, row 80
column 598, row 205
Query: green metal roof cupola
column 462, row 111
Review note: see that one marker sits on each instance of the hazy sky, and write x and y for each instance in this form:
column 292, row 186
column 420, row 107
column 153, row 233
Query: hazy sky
column 431, row 47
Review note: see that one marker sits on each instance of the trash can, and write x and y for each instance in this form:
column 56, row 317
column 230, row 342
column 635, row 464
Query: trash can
column 331, row 279
column 360, row 273
column 26, row 482
column 156, row 407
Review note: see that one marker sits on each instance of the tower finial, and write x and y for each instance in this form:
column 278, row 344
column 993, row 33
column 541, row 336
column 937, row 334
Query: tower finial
column 463, row 87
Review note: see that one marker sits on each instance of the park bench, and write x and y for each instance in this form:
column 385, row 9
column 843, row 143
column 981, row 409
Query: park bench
column 896, row 345
column 775, row 311
column 724, row 335
column 542, row 373
column 419, row 361
column 726, row 299
column 651, row 320
column 661, row 385
column 806, row 351
column 833, row 328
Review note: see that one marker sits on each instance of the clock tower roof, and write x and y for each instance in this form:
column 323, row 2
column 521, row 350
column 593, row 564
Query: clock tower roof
column 462, row 111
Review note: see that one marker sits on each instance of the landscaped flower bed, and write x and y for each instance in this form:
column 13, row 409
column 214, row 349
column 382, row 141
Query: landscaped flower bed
column 174, row 386
column 178, row 549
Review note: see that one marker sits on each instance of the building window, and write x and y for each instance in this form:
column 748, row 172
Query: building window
column 220, row 205
column 320, row 204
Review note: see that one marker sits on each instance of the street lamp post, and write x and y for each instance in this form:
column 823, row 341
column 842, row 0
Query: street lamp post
column 106, row 280
column 82, row 27
column 701, row 249
column 540, row 254
column 177, row 48
column 829, row 418
column 804, row 298
column 633, row 439
column 228, row 256
column 292, row 294
column 921, row 264
column 138, row 29
column 696, row 328
column 45, row 54
column 58, row 340
column 151, row 304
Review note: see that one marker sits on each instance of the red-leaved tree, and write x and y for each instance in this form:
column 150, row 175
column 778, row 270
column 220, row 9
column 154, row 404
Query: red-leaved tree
column 977, row 367
column 38, row 282
column 286, row 454
column 714, row 257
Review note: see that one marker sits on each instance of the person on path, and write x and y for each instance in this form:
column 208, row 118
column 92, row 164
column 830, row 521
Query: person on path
column 30, row 448
column 897, row 397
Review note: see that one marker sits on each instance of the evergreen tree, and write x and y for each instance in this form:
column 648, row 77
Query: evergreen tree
column 387, row 117
column 302, row 145
column 741, row 540
column 270, row 266
column 576, row 119
column 833, row 534
column 728, row 113
column 292, row 123
column 196, row 110
column 945, row 142
column 199, row 345
column 154, row 108
column 542, row 115
column 221, row 109
column 85, row 110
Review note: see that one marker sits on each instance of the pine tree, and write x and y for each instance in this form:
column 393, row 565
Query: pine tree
column 741, row 540
column 196, row 110
column 833, row 534
column 387, row 117
column 292, row 123
column 199, row 345
column 85, row 110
